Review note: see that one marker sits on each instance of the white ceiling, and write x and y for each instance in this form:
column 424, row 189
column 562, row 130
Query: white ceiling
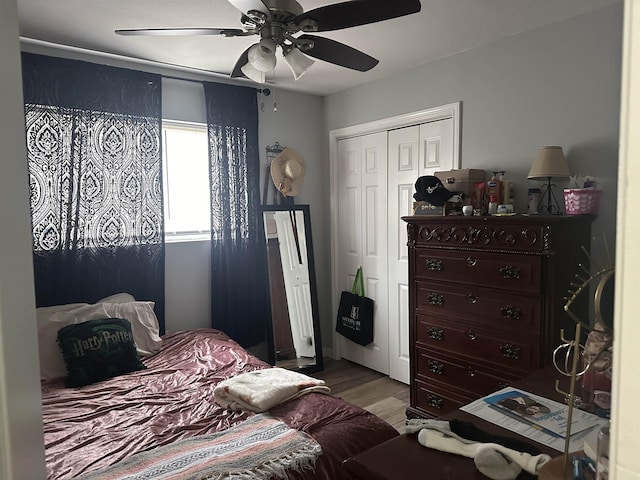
column 442, row 28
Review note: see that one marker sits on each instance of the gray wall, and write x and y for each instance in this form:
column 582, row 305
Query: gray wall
column 557, row 85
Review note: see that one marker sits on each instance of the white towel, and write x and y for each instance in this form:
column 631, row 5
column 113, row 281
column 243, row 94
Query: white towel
column 260, row 390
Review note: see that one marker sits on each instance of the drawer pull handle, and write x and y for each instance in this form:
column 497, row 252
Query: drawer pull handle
column 471, row 261
column 471, row 372
column 436, row 333
column 510, row 272
column 471, row 335
column 436, row 367
column 434, row 401
column 436, row 299
column 509, row 351
column 511, row 312
column 471, row 298
column 434, row 265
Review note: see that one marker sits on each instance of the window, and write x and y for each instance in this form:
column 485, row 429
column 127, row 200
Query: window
column 185, row 157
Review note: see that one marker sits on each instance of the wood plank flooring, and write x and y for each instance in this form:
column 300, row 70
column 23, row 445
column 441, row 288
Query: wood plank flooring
column 368, row 389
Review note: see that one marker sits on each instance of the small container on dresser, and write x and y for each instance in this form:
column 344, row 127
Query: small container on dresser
column 486, row 301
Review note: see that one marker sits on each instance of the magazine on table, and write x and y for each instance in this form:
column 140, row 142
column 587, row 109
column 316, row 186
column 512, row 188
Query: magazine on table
column 483, row 409
column 543, row 414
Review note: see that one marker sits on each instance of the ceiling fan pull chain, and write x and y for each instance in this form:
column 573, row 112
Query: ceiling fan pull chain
column 275, row 104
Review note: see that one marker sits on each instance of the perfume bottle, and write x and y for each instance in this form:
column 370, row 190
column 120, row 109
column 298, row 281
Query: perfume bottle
column 493, row 205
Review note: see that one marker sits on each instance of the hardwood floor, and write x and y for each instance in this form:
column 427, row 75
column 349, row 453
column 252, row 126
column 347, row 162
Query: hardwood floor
column 368, row 389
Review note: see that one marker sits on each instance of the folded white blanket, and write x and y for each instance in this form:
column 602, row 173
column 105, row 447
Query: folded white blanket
column 260, row 390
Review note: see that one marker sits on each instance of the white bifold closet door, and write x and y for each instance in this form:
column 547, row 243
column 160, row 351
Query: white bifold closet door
column 376, row 174
column 413, row 152
column 362, row 226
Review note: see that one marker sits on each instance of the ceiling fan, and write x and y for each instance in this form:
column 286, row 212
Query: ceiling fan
column 277, row 21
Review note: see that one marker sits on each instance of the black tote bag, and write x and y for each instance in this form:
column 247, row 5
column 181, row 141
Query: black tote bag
column 355, row 313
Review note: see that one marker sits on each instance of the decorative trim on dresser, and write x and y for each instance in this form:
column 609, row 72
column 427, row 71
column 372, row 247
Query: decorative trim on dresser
column 486, row 301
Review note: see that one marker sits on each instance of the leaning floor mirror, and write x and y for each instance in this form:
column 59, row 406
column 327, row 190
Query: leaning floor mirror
column 294, row 341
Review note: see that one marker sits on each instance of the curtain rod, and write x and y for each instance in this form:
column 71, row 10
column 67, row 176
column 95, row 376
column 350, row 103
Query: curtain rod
column 123, row 58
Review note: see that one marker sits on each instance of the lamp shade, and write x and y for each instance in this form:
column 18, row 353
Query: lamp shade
column 262, row 56
column 298, row 62
column 549, row 163
column 252, row 73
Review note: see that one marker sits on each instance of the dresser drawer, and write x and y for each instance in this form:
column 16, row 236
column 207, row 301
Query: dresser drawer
column 466, row 375
column 480, row 306
column 437, row 401
column 489, row 346
column 521, row 273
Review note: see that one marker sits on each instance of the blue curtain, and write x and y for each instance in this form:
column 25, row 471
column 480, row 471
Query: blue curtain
column 239, row 297
column 95, row 178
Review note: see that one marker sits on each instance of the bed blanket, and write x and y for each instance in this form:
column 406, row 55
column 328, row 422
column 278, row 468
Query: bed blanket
column 261, row 447
column 260, row 390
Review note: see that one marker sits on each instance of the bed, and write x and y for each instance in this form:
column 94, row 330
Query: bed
column 170, row 400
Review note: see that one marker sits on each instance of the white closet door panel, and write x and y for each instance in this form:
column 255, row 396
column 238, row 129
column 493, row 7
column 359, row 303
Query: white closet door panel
column 404, row 160
column 363, row 227
column 349, row 225
column 351, row 208
column 436, row 147
column 413, row 152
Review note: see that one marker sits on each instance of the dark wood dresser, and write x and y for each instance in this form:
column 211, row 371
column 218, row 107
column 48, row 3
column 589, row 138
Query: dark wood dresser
column 486, row 301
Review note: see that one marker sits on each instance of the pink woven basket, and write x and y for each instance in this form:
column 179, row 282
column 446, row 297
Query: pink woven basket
column 582, row 201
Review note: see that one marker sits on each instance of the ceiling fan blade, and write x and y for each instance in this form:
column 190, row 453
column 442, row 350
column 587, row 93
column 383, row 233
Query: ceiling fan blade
column 229, row 32
column 246, row 6
column 358, row 12
column 241, row 62
column 339, row 53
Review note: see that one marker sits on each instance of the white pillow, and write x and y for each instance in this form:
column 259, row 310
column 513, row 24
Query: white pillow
column 117, row 298
column 144, row 326
column 43, row 313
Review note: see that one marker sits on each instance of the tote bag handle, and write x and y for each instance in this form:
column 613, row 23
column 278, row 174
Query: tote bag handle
column 358, row 284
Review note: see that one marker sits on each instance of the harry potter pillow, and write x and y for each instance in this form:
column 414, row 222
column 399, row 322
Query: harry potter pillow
column 98, row 349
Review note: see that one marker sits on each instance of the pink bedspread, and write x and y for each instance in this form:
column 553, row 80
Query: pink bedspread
column 91, row 427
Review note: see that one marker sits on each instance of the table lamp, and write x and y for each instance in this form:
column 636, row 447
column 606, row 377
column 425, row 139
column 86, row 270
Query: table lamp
column 549, row 163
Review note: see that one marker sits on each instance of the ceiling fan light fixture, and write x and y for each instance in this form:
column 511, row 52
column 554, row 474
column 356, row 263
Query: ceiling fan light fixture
column 298, row 62
column 262, row 56
column 252, row 73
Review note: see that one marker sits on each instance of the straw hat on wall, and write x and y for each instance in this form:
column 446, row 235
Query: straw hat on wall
column 287, row 172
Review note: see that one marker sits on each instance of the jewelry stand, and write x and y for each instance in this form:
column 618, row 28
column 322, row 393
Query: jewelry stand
column 559, row 468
